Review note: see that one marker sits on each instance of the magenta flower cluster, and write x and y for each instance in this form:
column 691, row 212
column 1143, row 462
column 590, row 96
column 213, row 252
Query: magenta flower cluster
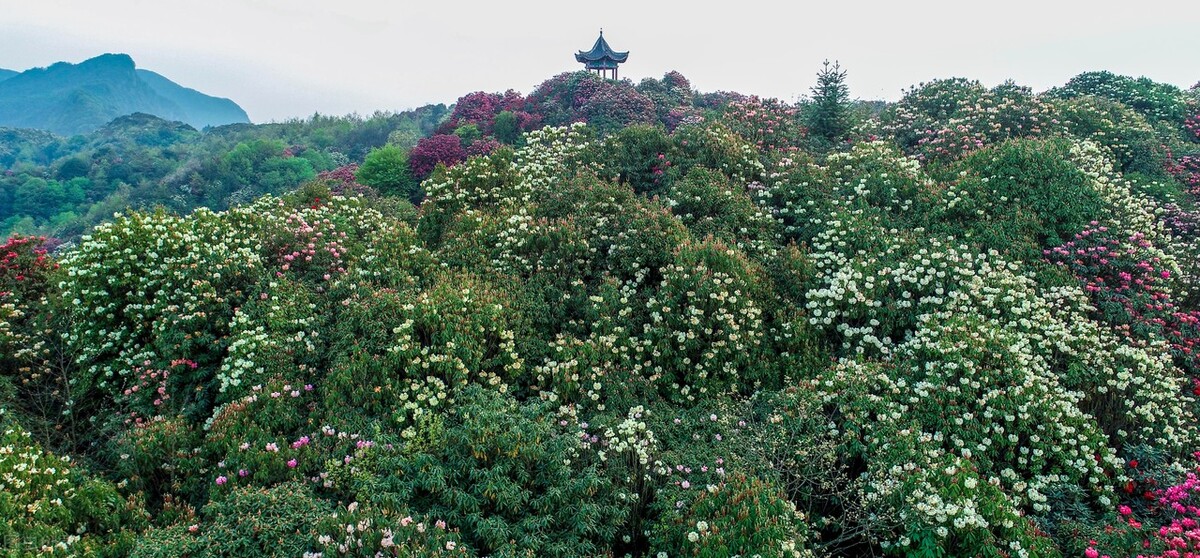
column 1129, row 286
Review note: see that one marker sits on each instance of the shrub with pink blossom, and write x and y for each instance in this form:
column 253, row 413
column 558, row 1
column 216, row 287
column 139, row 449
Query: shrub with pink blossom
column 942, row 121
column 480, row 108
column 1129, row 284
column 768, row 124
column 443, row 149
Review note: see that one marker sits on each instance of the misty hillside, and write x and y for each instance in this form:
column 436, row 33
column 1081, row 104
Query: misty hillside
column 69, row 99
column 201, row 110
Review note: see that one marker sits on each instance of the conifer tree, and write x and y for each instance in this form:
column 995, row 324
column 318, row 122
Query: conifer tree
column 828, row 115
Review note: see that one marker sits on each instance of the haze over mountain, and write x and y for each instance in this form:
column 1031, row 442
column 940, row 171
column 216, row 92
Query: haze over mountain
column 67, row 98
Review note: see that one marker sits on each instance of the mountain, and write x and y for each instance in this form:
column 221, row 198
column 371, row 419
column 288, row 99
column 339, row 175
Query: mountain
column 5, row 74
column 71, row 99
column 202, row 110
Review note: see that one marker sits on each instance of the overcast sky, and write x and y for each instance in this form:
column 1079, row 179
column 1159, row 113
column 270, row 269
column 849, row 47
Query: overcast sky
column 286, row 59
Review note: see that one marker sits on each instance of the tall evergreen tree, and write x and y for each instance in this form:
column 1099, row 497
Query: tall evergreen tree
column 828, row 115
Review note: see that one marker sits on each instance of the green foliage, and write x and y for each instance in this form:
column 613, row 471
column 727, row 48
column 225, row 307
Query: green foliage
column 141, row 161
column 506, row 128
column 386, row 169
column 252, row 522
column 1018, row 197
column 827, row 113
column 640, row 157
column 468, row 133
column 50, row 507
column 507, row 475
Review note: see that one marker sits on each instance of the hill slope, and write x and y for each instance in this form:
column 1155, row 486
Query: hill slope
column 201, row 110
column 69, row 98
column 971, row 327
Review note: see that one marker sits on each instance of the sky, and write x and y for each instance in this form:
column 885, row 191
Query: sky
column 282, row 60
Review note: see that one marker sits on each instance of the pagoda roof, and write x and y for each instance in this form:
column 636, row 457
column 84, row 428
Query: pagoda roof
column 601, row 55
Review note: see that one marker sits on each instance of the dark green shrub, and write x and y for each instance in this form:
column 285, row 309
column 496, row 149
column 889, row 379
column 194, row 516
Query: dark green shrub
column 740, row 516
column 639, row 156
column 508, row 477
column 1017, row 197
column 386, row 169
column 252, row 522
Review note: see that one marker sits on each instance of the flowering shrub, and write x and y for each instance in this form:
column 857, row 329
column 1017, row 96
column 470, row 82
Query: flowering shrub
column 614, row 105
column 343, row 181
column 25, row 266
column 457, row 332
column 672, row 96
column 1124, row 133
column 706, row 330
column 1127, row 280
column 127, row 290
column 1185, row 169
column 252, row 522
column 606, row 105
column 942, row 121
column 740, row 516
column 1156, row 101
column 356, row 530
column 482, row 147
column 933, row 421
column 51, row 508
column 480, row 109
column 716, row 147
column 972, row 337
column 639, row 156
column 28, row 324
column 768, row 124
column 1191, row 127
column 1159, row 523
column 445, row 149
column 710, row 206
column 506, row 474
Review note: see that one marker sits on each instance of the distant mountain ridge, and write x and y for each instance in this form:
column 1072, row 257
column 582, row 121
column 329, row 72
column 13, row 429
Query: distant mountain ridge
column 69, row 99
column 5, row 74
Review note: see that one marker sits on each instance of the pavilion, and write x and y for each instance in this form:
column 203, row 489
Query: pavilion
column 602, row 59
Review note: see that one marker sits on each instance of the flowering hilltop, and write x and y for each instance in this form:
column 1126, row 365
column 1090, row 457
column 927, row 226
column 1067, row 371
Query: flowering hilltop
column 618, row 320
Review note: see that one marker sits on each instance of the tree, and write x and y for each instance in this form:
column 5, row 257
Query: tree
column 829, row 110
column 506, row 128
column 441, row 148
column 386, row 169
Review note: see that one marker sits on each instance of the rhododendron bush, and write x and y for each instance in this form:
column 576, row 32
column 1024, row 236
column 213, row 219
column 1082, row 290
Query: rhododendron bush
column 663, row 327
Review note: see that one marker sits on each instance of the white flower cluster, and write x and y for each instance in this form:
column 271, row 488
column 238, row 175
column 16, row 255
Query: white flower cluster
column 39, row 488
column 258, row 345
column 632, row 440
